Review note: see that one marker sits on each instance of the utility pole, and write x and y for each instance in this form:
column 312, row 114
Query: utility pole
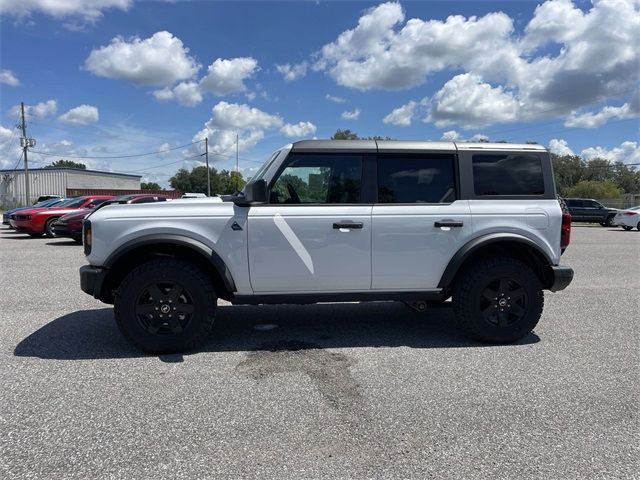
column 206, row 156
column 25, row 142
column 237, row 182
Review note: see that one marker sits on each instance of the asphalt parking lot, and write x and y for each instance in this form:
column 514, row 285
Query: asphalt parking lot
column 333, row 391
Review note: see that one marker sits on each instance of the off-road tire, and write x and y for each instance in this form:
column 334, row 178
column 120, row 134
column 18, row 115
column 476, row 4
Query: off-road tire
column 48, row 227
column 196, row 285
column 468, row 298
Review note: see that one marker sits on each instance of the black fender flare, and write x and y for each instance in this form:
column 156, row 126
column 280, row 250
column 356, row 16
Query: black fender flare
column 178, row 240
column 468, row 249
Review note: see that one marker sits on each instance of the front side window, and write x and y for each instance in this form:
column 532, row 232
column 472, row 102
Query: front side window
column 504, row 174
column 419, row 179
column 327, row 178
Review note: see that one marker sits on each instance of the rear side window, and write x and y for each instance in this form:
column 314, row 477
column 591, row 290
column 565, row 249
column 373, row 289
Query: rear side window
column 514, row 174
column 416, row 179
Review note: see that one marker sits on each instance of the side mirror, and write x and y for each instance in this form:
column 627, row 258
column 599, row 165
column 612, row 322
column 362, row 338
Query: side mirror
column 254, row 192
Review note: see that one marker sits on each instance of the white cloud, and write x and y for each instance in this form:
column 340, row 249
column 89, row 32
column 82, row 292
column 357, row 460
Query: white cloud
column 293, row 72
column 39, row 111
column 9, row 78
column 227, row 76
column 626, row 152
column 81, row 115
column 301, row 129
column 451, row 136
column 593, row 120
column 468, row 101
column 229, row 119
column 386, row 52
column 187, row 93
column 351, row 115
column 163, row 150
column 87, row 11
column 164, row 94
column 335, row 99
column 249, row 123
column 161, row 59
column 454, row 136
column 560, row 147
column 402, row 115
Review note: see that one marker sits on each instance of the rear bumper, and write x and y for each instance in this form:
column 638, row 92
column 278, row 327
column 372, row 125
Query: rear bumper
column 562, row 277
column 91, row 280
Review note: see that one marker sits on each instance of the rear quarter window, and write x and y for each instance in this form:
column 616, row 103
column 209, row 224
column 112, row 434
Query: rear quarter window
column 507, row 174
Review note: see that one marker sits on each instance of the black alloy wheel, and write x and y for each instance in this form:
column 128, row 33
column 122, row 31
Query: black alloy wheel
column 164, row 308
column 503, row 302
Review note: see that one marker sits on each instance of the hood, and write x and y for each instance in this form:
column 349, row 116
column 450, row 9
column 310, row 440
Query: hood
column 76, row 215
column 183, row 208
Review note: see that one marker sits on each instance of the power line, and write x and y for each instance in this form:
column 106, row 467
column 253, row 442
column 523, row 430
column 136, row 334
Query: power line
column 115, row 157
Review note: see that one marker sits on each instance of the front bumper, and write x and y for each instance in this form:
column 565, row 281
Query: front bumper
column 562, row 277
column 91, row 280
column 62, row 230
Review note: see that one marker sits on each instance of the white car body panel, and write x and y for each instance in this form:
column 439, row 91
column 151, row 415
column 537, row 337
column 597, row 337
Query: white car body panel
column 409, row 252
column 205, row 220
column 538, row 220
column 294, row 248
column 627, row 218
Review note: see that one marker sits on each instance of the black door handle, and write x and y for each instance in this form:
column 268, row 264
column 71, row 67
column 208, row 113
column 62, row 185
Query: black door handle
column 447, row 223
column 348, row 225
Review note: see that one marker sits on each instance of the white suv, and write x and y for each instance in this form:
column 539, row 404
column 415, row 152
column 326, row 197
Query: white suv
column 331, row 221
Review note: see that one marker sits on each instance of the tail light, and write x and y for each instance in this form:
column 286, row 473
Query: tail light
column 630, row 214
column 565, row 231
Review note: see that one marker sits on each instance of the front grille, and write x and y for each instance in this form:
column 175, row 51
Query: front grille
column 21, row 217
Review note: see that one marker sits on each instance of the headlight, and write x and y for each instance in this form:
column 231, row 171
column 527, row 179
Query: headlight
column 86, row 235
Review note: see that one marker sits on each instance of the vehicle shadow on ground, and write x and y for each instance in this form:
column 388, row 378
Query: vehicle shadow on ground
column 64, row 243
column 92, row 334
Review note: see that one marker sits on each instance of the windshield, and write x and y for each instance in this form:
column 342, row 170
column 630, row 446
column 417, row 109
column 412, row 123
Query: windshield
column 73, row 203
column 265, row 166
column 47, row 203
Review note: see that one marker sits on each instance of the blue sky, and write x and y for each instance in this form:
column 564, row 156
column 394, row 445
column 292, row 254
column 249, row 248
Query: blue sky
column 109, row 78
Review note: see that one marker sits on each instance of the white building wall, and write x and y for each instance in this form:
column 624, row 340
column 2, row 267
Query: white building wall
column 75, row 179
column 56, row 182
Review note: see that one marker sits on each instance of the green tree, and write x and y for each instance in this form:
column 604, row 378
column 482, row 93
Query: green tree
column 67, row 164
column 344, row 135
column 627, row 178
column 195, row 181
column 594, row 189
column 231, row 181
column 567, row 170
column 150, row 186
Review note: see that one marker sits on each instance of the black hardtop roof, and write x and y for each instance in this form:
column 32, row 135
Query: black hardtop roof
column 397, row 146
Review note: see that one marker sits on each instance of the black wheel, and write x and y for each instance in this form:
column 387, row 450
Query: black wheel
column 627, row 228
column 165, row 306
column 608, row 221
column 638, row 226
column 498, row 300
column 48, row 227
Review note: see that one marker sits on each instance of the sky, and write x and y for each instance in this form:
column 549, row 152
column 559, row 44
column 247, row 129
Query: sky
column 135, row 86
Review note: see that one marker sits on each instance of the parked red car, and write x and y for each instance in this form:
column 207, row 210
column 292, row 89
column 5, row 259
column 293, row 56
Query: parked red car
column 70, row 225
column 39, row 221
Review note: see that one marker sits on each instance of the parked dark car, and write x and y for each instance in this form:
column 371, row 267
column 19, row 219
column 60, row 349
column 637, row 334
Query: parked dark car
column 70, row 225
column 42, row 198
column 589, row 210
